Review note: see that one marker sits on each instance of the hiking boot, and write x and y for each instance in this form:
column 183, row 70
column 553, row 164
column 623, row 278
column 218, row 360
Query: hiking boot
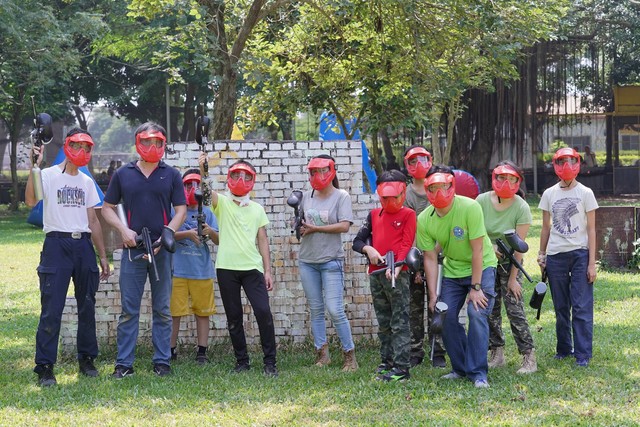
column 202, row 359
column 529, row 364
column 481, row 384
column 322, row 356
column 350, row 363
column 582, row 362
column 121, row 372
column 453, row 375
column 415, row 361
column 395, row 375
column 45, row 375
column 87, row 367
column 496, row 357
column 161, row 370
column 383, row 368
column 439, row 362
column 241, row 367
column 270, row 370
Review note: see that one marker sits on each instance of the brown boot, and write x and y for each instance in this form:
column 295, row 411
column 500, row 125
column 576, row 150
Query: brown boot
column 350, row 364
column 322, row 356
column 496, row 357
column 529, row 364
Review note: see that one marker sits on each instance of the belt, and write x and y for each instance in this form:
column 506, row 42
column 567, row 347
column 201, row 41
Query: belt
column 77, row 235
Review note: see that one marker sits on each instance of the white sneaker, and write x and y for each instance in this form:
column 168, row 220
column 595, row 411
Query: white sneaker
column 481, row 384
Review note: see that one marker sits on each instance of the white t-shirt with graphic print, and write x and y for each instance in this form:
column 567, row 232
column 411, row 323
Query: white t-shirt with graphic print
column 568, row 210
column 66, row 199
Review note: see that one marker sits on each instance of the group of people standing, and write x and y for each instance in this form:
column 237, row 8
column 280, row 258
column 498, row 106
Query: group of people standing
column 426, row 213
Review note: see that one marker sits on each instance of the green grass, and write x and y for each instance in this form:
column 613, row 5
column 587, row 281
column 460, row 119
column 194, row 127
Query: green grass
column 606, row 393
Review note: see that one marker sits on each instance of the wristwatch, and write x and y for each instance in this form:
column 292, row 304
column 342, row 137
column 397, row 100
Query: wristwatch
column 476, row 286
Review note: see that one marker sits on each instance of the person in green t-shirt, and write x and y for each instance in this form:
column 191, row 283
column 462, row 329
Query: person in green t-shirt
column 456, row 223
column 504, row 209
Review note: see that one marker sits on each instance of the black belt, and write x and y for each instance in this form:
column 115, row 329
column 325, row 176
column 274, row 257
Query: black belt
column 77, row 235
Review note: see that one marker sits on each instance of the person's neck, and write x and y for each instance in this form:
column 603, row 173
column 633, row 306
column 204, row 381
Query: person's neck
column 418, row 186
column 325, row 192
column 565, row 185
column 443, row 211
column 500, row 202
column 69, row 168
column 147, row 167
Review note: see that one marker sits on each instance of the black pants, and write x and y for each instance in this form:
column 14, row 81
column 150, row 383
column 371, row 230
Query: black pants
column 252, row 281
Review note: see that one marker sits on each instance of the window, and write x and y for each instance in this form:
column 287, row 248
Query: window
column 629, row 142
column 578, row 142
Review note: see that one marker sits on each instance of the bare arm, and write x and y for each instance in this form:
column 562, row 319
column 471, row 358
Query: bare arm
column 263, row 248
column 431, row 270
column 29, row 192
column 178, row 218
column 513, row 286
column 98, row 242
column 111, row 217
column 337, row 228
column 545, row 232
column 591, row 242
column 478, row 298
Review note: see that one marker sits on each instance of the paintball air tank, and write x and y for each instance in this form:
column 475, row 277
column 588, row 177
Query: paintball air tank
column 41, row 134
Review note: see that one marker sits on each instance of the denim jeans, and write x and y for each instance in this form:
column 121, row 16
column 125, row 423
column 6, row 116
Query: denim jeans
column 323, row 284
column 573, row 302
column 133, row 275
column 468, row 352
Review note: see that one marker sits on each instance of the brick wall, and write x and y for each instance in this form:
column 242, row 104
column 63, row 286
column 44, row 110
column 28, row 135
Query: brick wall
column 281, row 168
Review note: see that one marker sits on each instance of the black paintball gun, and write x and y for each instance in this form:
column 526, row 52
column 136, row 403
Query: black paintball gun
column 143, row 242
column 390, row 262
column 516, row 244
column 201, row 217
column 440, row 310
column 294, row 200
column 202, row 132
column 42, row 134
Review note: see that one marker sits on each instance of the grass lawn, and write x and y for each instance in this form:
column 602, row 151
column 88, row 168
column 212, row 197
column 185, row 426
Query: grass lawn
column 606, row 393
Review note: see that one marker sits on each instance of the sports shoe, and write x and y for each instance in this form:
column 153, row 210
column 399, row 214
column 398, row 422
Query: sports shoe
column 383, row 368
column 481, row 384
column 270, row 370
column 439, row 362
column 582, row 362
column 496, row 357
column 202, row 359
column 453, row 375
column 241, row 367
column 87, row 367
column 395, row 375
column 161, row 370
column 560, row 356
column 45, row 375
column 122, row 371
column 415, row 361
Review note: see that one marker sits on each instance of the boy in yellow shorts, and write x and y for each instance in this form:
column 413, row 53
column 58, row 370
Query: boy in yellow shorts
column 193, row 271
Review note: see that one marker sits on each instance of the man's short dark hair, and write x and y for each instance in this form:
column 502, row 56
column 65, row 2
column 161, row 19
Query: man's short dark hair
column 392, row 175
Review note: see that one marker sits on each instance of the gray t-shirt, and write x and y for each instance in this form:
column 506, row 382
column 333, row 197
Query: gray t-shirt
column 323, row 247
column 415, row 201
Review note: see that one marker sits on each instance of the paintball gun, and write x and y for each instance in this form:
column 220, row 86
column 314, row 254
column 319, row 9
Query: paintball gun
column 42, row 134
column 389, row 261
column 294, row 200
column 202, row 132
column 440, row 311
column 201, row 217
column 143, row 241
column 519, row 245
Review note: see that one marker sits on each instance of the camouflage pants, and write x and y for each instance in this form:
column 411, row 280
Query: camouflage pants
column 515, row 314
column 416, row 321
column 392, row 311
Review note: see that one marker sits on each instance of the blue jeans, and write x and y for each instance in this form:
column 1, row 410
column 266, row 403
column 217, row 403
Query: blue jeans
column 573, row 302
column 468, row 353
column 133, row 275
column 323, row 284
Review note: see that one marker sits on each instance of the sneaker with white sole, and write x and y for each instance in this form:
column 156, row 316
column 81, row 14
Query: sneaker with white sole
column 453, row 375
column 481, row 384
column 121, row 372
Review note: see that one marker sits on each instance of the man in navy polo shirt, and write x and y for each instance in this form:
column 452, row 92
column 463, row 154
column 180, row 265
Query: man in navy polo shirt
column 147, row 188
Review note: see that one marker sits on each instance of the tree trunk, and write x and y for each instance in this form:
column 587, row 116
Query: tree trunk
column 14, row 134
column 388, row 151
column 226, row 100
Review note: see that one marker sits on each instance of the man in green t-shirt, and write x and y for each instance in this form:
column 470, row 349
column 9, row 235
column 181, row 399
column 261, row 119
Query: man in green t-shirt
column 456, row 223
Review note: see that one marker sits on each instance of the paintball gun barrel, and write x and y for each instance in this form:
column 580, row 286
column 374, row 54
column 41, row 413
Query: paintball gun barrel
column 391, row 264
column 201, row 217
column 144, row 242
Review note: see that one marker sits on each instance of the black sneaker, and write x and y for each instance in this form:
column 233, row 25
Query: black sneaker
column 396, row 375
column 87, row 367
column 439, row 362
column 202, row 359
column 241, row 367
column 45, row 375
column 383, row 368
column 415, row 361
column 270, row 370
column 161, row 370
column 121, row 372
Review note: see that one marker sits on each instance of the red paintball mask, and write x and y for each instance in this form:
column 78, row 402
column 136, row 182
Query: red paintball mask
column 418, row 162
column 150, row 145
column 321, row 172
column 240, row 179
column 191, row 183
column 566, row 163
column 77, row 148
column 392, row 195
column 441, row 189
column 505, row 181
